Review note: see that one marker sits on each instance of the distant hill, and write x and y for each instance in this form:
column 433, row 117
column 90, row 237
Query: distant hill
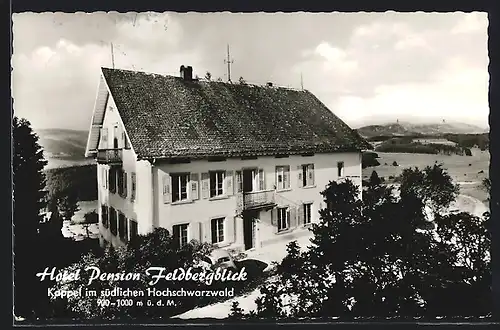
column 63, row 147
column 408, row 129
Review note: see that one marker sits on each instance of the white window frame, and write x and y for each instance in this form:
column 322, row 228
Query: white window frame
column 281, row 170
column 218, row 181
column 286, row 221
column 181, row 227
column 178, row 176
column 219, row 222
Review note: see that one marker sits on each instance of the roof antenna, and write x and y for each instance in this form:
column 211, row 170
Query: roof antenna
column 112, row 56
column 229, row 61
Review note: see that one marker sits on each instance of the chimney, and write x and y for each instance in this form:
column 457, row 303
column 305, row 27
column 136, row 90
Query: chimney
column 269, row 84
column 186, row 72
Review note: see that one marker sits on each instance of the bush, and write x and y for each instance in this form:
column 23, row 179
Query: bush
column 395, row 163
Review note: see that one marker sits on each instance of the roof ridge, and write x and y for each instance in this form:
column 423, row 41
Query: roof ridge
column 210, row 81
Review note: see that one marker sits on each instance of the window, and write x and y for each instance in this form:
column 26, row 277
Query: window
column 113, row 221
column 180, row 187
column 132, row 225
column 340, row 169
column 133, row 186
column 122, row 226
column 217, row 230
column 308, row 175
column 283, row 219
column 122, row 182
column 307, row 213
column 104, row 216
column 112, row 180
column 282, row 177
column 217, row 183
column 181, row 234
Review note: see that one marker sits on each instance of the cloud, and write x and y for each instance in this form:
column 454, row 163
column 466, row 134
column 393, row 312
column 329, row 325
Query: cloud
column 394, row 68
column 471, row 23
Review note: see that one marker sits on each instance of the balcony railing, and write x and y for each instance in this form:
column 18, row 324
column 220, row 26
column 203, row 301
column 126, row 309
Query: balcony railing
column 256, row 200
column 109, row 156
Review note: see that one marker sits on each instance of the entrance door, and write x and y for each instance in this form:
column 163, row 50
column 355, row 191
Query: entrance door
column 249, row 225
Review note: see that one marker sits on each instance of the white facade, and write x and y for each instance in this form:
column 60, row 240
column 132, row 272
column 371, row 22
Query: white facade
column 152, row 200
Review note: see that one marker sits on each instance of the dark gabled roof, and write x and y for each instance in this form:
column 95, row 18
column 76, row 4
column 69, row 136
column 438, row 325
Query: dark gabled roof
column 167, row 117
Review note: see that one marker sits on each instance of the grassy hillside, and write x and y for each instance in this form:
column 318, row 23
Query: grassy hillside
column 63, row 143
column 79, row 179
column 418, row 130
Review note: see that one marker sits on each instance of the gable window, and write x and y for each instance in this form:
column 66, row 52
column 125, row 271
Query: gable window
column 307, row 212
column 217, row 228
column 122, row 226
column 180, row 186
column 217, row 183
column 282, row 177
column 113, row 224
column 340, row 169
column 133, row 186
column 104, row 216
column 283, row 219
column 308, row 175
column 181, row 234
column 132, row 225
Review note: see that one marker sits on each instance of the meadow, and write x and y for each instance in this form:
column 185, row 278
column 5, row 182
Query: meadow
column 469, row 171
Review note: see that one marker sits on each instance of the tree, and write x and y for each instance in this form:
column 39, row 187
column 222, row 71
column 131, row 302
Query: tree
column 486, row 183
column 242, row 81
column 68, row 205
column 374, row 178
column 89, row 219
column 375, row 258
column 208, row 76
column 28, row 185
column 156, row 249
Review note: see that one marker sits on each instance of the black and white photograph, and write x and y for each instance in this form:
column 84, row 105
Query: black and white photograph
column 206, row 167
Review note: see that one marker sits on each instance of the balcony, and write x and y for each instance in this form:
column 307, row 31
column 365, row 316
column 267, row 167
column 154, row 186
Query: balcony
column 256, row 200
column 109, row 156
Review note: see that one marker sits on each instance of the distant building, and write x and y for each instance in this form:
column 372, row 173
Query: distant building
column 236, row 165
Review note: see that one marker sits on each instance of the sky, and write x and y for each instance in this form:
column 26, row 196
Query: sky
column 368, row 68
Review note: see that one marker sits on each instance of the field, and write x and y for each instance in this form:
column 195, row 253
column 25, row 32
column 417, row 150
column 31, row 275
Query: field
column 469, row 171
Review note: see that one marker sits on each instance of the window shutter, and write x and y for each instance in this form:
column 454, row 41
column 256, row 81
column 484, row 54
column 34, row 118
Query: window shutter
column 194, row 186
column 125, row 187
column 106, row 174
column 286, row 177
column 104, row 138
column 299, row 176
column 206, row 232
column 134, row 186
column 274, row 217
column 229, row 235
column 205, row 188
column 300, row 215
column 213, row 231
column 200, row 231
column 229, row 183
column 167, row 191
column 238, row 186
column 311, row 174
column 292, row 216
column 194, row 231
column 262, row 180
